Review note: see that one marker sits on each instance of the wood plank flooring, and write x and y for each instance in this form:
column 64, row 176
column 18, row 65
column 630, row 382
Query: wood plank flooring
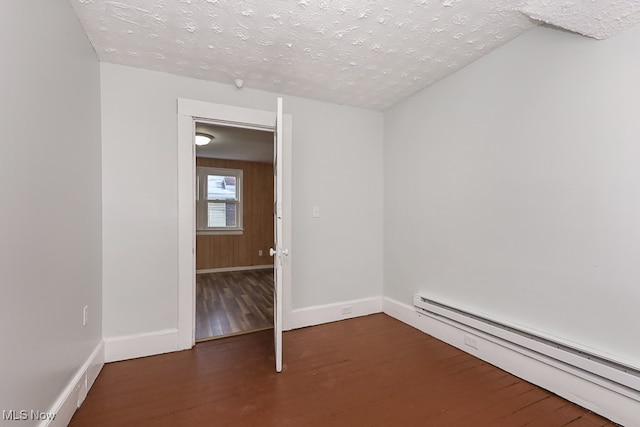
column 368, row 371
column 233, row 302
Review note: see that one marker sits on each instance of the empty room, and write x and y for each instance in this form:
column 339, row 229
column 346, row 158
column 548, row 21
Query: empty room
column 432, row 207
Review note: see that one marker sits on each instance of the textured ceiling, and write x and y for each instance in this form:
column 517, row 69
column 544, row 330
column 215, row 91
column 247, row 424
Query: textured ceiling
column 235, row 143
column 598, row 19
column 368, row 53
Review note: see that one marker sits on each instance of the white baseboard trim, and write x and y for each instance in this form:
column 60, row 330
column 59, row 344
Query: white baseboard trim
column 319, row 314
column 226, row 269
column 76, row 390
column 140, row 345
column 619, row 404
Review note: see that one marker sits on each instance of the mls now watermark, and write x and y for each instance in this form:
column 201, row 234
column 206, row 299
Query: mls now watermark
column 24, row 415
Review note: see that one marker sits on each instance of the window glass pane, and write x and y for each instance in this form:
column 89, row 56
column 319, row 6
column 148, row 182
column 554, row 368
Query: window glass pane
column 231, row 215
column 221, row 187
column 221, row 214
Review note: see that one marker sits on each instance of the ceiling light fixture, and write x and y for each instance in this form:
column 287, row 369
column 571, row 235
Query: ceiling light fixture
column 203, row 139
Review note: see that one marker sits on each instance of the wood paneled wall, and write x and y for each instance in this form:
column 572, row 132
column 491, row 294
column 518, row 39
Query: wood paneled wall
column 221, row 251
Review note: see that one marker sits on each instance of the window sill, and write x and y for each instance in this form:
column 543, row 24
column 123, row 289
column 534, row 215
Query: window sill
column 236, row 232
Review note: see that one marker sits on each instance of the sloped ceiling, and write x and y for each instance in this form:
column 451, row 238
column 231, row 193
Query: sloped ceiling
column 367, row 53
column 592, row 18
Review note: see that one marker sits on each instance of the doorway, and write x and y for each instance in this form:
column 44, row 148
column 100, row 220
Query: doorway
column 234, row 230
column 190, row 111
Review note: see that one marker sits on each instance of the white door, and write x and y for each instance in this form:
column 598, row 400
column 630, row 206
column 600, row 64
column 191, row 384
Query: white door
column 279, row 251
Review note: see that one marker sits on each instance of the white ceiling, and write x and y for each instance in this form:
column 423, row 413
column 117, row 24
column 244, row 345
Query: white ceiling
column 367, row 53
column 599, row 19
column 234, row 143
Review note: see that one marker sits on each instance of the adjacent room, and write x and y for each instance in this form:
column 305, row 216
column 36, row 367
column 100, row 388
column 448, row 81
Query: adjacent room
column 234, row 230
column 429, row 213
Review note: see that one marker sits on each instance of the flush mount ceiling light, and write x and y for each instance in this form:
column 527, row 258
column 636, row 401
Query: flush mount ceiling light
column 203, row 139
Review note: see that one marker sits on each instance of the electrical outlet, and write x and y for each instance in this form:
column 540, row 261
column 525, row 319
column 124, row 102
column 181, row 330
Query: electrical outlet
column 260, row 252
column 85, row 315
column 346, row 309
column 471, row 341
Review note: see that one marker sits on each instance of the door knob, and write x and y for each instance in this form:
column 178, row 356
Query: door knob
column 272, row 251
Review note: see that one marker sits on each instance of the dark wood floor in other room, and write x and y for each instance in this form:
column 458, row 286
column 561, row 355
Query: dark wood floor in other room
column 233, row 302
column 369, row 371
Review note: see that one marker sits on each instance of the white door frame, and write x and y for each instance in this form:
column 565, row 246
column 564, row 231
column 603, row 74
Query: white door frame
column 188, row 112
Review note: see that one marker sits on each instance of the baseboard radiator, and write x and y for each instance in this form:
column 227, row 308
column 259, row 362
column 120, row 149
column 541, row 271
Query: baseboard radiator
column 606, row 368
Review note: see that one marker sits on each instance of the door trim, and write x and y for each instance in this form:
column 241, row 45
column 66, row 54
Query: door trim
column 188, row 112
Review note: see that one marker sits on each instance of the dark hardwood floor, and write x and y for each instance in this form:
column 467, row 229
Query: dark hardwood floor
column 368, row 371
column 233, row 302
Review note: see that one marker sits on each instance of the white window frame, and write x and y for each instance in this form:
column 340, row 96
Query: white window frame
column 202, row 202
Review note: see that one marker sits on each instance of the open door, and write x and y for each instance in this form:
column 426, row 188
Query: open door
column 278, row 252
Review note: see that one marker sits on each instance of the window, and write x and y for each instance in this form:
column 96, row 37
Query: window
column 218, row 200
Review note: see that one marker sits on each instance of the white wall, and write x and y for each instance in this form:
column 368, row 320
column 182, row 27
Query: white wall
column 337, row 165
column 512, row 188
column 50, row 226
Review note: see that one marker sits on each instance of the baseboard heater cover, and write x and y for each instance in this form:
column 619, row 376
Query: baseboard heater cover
column 602, row 366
